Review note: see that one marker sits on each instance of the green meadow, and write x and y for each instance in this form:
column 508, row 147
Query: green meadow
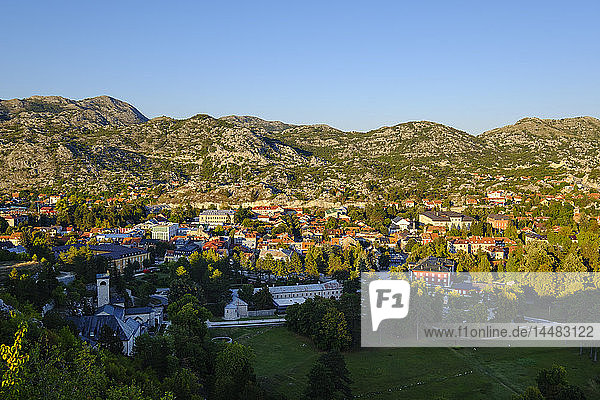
column 283, row 360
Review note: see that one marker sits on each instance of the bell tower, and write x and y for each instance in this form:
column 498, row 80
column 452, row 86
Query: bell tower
column 103, row 288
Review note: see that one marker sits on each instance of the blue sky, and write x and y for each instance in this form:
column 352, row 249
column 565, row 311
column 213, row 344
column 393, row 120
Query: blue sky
column 353, row 65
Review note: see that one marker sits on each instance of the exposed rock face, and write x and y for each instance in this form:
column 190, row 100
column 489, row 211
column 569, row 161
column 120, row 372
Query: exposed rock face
column 90, row 113
column 103, row 142
column 572, row 142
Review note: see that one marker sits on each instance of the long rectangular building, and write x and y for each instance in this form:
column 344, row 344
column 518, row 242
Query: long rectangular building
column 216, row 217
column 284, row 296
column 447, row 219
column 119, row 256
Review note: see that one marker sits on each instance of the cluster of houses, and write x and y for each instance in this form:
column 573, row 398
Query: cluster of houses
column 217, row 230
column 133, row 244
column 497, row 248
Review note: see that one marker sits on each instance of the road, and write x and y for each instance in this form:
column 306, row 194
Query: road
column 246, row 323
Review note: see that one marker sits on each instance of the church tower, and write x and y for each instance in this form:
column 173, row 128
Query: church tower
column 102, row 285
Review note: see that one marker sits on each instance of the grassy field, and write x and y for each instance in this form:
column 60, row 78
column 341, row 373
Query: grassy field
column 21, row 266
column 283, row 359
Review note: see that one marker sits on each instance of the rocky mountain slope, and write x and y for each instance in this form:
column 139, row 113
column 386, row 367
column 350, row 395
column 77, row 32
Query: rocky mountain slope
column 570, row 142
column 90, row 113
column 103, row 144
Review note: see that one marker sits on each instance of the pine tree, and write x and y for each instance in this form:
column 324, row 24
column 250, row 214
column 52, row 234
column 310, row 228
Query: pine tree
column 329, row 378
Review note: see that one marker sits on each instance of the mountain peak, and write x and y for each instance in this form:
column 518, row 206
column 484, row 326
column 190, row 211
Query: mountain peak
column 248, row 121
column 98, row 111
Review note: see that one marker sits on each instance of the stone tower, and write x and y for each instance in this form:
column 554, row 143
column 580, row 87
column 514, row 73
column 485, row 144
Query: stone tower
column 103, row 287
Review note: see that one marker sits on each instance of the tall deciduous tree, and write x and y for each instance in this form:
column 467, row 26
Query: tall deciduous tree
column 234, row 375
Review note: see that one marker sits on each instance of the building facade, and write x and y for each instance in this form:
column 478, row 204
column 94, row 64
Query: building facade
column 284, row 296
column 447, row 219
column 498, row 221
column 119, row 256
column 216, row 217
column 433, row 270
column 164, row 231
column 103, row 289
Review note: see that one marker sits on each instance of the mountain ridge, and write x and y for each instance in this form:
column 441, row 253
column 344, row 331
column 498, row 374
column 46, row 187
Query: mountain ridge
column 108, row 143
column 101, row 110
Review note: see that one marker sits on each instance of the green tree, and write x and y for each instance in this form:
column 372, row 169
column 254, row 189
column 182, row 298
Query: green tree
column 511, row 232
column 3, row 225
column 484, row 263
column 333, row 331
column 334, row 264
column 295, row 264
column 234, row 375
column 531, row 393
column 329, row 378
column 551, row 381
column 310, row 266
column 246, row 292
column 192, row 318
column 263, row 300
column 155, row 352
column 573, row 262
column 184, row 385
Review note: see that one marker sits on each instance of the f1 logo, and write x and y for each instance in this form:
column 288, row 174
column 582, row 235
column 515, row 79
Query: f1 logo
column 389, row 300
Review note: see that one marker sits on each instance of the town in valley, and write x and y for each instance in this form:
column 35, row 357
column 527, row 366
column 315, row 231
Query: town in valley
column 127, row 272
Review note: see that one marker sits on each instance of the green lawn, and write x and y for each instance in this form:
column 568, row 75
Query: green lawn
column 283, row 360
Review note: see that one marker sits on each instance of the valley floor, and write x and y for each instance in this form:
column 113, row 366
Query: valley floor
column 283, row 359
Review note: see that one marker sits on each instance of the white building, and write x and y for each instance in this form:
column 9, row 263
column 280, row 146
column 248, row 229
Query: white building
column 53, row 199
column 336, row 212
column 165, row 231
column 216, row 217
column 284, row 296
column 448, row 219
column 400, row 224
column 237, row 308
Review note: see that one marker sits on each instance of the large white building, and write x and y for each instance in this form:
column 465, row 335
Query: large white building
column 284, row 296
column 448, row 219
column 165, row 231
column 400, row 224
column 216, row 217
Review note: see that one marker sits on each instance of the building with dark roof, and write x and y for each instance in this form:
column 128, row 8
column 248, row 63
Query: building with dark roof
column 126, row 323
column 397, row 259
column 119, row 256
column 90, row 329
column 433, row 270
column 447, row 219
column 183, row 251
